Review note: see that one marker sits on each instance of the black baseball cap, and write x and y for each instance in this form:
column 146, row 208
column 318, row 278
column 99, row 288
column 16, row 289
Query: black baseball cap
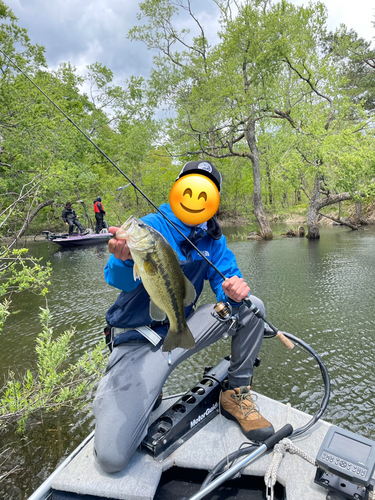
column 202, row 167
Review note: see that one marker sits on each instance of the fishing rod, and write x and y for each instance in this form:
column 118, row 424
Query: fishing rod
column 289, row 340
column 245, row 300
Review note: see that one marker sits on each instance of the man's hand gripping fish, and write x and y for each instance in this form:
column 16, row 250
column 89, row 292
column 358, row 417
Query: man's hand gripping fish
column 156, row 264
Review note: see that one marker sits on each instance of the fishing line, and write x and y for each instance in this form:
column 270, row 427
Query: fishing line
column 245, row 300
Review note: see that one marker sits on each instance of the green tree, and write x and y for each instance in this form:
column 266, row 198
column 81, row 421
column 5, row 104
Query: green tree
column 215, row 91
column 44, row 160
column 355, row 59
column 332, row 134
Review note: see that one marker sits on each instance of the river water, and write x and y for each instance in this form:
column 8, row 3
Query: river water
column 321, row 291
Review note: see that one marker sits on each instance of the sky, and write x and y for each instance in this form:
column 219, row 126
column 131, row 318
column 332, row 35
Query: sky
column 87, row 31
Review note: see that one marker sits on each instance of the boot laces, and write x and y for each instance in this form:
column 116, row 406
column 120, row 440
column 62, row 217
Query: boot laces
column 246, row 408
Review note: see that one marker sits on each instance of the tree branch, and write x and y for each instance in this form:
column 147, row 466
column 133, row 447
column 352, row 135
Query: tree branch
column 314, row 89
column 339, row 221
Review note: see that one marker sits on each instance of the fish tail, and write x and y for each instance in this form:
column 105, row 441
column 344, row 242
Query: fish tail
column 183, row 339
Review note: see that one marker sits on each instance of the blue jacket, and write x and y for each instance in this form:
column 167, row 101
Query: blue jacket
column 131, row 308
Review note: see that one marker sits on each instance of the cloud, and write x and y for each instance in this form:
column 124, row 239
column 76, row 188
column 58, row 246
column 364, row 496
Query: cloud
column 84, row 32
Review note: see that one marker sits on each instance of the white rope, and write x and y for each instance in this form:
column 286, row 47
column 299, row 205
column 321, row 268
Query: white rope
column 279, row 451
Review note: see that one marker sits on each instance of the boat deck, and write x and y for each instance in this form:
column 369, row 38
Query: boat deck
column 140, row 479
column 82, row 240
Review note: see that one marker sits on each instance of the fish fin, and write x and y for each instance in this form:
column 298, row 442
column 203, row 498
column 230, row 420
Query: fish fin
column 183, row 339
column 150, row 266
column 136, row 273
column 190, row 292
column 156, row 313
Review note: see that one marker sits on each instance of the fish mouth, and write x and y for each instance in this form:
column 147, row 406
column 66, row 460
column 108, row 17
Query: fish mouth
column 134, row 232
column 129, row 223
column 192, row 211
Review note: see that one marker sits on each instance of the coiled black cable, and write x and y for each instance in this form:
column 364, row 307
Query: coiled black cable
column 326, row 380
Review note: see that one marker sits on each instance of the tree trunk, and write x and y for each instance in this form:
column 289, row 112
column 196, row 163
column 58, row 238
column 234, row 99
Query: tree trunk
column 269, row 184
column 265, row 228
column 313, row 211
column 358, row 208
column 31, row 216
column 317, row 203
column 340, row 221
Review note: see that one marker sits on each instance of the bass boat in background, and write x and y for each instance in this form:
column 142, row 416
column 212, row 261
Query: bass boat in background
column 77, row 240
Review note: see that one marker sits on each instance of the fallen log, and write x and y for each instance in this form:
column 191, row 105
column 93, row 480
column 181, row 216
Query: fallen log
column 340, row 221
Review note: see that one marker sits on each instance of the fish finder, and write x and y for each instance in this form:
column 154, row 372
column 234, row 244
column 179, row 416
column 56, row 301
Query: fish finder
column 346, row 462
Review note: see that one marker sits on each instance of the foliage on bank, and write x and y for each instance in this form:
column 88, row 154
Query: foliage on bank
column 55, row 383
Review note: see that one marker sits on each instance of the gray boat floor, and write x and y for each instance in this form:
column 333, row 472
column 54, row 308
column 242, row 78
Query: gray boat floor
column 140, row 479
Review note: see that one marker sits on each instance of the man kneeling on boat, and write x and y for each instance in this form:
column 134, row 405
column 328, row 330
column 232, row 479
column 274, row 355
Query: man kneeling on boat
column 138, row 369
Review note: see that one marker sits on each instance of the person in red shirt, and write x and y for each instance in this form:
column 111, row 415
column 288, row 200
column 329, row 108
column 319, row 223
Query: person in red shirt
column 99, row 214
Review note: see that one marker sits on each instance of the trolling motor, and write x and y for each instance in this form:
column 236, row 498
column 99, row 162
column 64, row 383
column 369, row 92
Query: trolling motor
column 49, row 236
column 52, row 236
column 188, row 415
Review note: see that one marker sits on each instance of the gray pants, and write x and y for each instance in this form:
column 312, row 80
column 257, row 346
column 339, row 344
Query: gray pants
column 137, row 371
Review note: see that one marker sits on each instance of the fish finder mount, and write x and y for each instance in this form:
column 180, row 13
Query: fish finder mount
column 346, row 463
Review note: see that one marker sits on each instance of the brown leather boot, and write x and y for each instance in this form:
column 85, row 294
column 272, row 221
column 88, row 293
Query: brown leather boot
column 238, row 405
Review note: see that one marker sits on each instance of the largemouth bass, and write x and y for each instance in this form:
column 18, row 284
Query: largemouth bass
column 156, row 264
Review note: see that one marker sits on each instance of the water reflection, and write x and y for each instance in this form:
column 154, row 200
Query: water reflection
column 320, row 291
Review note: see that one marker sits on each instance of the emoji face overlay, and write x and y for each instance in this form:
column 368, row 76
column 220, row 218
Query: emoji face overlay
column 194, row 199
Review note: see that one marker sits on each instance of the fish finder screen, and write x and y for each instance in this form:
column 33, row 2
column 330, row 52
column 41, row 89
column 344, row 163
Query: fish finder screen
column 346, row 447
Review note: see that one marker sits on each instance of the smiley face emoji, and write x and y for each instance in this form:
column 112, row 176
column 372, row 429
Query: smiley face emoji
column 194, row 199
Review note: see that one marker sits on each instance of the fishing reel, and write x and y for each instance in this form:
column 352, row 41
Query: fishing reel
column 223, row 312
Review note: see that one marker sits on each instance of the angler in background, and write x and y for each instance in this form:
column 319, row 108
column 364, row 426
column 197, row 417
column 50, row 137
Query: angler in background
column 99, row 214
column 71, row 219
column 138, row 366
